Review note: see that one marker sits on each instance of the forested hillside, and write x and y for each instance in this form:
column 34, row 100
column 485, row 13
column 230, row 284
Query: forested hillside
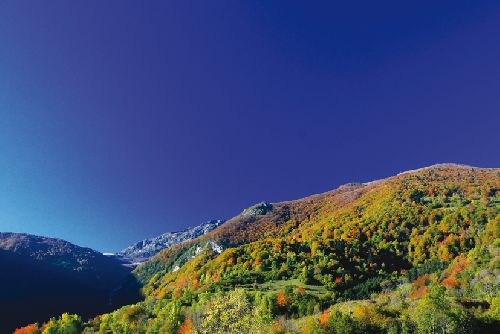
column 414, row 253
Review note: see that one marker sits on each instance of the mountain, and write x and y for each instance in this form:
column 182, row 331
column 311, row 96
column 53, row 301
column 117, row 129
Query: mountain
column 147, row 248
column 59, row 253
column 417, row 252
column 46, row 276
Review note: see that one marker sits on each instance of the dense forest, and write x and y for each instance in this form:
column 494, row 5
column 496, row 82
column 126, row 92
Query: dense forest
column 415, row 253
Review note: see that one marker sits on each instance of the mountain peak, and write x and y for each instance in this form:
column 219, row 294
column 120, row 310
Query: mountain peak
column 147, row 248
column 258, row 209
column 439, row 166
column 42, row 248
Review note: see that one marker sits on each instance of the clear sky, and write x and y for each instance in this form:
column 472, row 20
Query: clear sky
column 121, row 120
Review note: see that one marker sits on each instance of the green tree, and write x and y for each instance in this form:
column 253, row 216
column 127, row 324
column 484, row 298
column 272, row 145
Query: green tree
column 168, row 319
column 264, row 307
column 433, row 314
column 228, row 313
column 66, row 324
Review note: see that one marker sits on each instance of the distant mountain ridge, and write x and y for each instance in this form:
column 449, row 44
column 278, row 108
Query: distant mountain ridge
column 145, row 249
column 54, row 251
column 73, row 278
column 44, row 276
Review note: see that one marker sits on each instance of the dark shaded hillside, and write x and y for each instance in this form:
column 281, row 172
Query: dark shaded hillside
column 42, row 277
column 88, row 263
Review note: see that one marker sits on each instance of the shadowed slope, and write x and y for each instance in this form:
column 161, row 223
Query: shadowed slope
column 43, row 277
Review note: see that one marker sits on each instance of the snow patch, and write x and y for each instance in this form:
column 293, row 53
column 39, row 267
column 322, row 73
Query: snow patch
column 216, row 247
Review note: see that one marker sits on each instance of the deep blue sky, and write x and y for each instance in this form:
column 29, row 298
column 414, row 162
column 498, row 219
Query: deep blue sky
column 122, row 120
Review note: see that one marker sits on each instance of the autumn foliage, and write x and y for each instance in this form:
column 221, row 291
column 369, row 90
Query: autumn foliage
column 187, row 327
column 323, row 318
column 281, row 299
column 425, row 240
column 451, row 274
column 30, row 329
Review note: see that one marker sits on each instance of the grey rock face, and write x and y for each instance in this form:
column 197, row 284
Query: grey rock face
column 147, row 248
column 258, row 209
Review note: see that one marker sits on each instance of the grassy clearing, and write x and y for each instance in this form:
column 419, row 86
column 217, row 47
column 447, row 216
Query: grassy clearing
column 275, row 286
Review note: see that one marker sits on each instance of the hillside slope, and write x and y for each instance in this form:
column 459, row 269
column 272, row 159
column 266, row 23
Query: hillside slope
column 420, row 249
column 145, row 249
column 344, row 237
column 45, row 276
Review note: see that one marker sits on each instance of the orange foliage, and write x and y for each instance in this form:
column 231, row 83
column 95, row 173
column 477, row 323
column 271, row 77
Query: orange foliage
column 419, row 287
column 187, row 327
column 281, row 299
column 323, row 318
column 338, row 280
column 30, row 329
column 451, row 279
